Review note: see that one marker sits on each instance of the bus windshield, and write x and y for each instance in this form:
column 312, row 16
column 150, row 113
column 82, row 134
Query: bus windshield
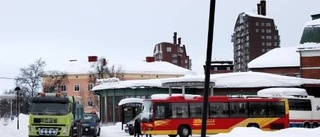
column 146, row 115
column 43, row 108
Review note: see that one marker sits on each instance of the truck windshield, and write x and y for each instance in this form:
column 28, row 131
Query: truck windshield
column 147, row 112
column 43, row 108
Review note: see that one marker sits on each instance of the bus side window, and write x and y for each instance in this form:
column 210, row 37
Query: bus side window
column 159, row 111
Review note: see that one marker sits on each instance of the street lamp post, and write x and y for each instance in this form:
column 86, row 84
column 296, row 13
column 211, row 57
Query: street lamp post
column 17, row 89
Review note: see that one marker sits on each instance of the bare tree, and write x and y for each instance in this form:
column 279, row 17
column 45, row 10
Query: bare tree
column 29, row 79
column 100, row 70
column 54, row 79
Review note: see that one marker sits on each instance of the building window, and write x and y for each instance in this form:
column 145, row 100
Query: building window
column 63, row 87
column 76, row 87
column 263, row 43
column 168, row 49
column 257, row 23
column 269, row 44
column 90, row 86
column 262, row 23
column 263, row 50
column 275, row 37
column 257, row 30
column 90, row 103
column 51, row 89
column 186, row 61
column 262, row 30
column 268, row 24
column 268, row 37
column 174, row 55
column 174, row 61
column 262, row 37
column 275, row 44
column 268, row 30
column 180, row 50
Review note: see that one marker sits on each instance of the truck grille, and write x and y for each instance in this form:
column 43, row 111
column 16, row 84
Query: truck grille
column 45, row 120
column 48, row 131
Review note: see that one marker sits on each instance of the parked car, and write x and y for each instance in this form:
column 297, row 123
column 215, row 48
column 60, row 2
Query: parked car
column 129, row 128
column 91, row 124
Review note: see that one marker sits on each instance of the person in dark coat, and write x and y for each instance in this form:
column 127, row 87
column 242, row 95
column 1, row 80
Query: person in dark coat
column 137, row 130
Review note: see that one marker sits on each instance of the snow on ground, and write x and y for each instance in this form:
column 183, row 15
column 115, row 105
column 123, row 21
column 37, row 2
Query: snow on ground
column 8, row 128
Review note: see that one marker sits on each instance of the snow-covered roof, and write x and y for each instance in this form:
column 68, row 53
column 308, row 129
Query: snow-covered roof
column 141, row 67
column 282, row 92
column 313, row 23
column 164, row 96
column 224, row 80
column 255, row 15
column 130, row 100
column 277, row 57
column 309, row 46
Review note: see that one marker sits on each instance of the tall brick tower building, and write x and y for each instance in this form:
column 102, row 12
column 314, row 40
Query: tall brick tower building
column 254, row 35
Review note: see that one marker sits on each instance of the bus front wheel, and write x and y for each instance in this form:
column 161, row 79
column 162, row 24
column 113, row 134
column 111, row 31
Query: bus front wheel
column 184, row 131
column 306, row 125
column 253, row 125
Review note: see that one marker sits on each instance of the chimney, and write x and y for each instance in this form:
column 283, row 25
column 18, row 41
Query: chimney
column 149, row 59
column 259, row 8
column 263, row 7
column 92, row 58
column 104, row 62
column 179, row 41
column 175, row 38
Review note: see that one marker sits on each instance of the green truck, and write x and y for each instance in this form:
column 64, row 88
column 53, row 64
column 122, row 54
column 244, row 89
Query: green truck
column 55, row 114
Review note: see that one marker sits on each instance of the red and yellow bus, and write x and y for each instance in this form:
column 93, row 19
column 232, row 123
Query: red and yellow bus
column 178, row 115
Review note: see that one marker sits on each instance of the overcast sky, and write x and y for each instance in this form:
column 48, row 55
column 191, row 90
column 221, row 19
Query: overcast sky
column 60, row 30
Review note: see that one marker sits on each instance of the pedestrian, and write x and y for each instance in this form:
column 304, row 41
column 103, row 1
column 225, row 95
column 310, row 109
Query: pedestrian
column 137, row 130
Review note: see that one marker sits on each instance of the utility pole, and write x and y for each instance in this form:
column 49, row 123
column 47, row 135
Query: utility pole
column 17, row 89
column 207, row 68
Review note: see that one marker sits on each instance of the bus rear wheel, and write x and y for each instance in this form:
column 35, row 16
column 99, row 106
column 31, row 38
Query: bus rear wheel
column 315, row 125
column 184, row 131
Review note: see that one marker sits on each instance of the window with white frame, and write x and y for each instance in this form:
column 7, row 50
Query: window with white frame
column 90, row 86
column 90, row 103
column 63, row 87
column 76, row 87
